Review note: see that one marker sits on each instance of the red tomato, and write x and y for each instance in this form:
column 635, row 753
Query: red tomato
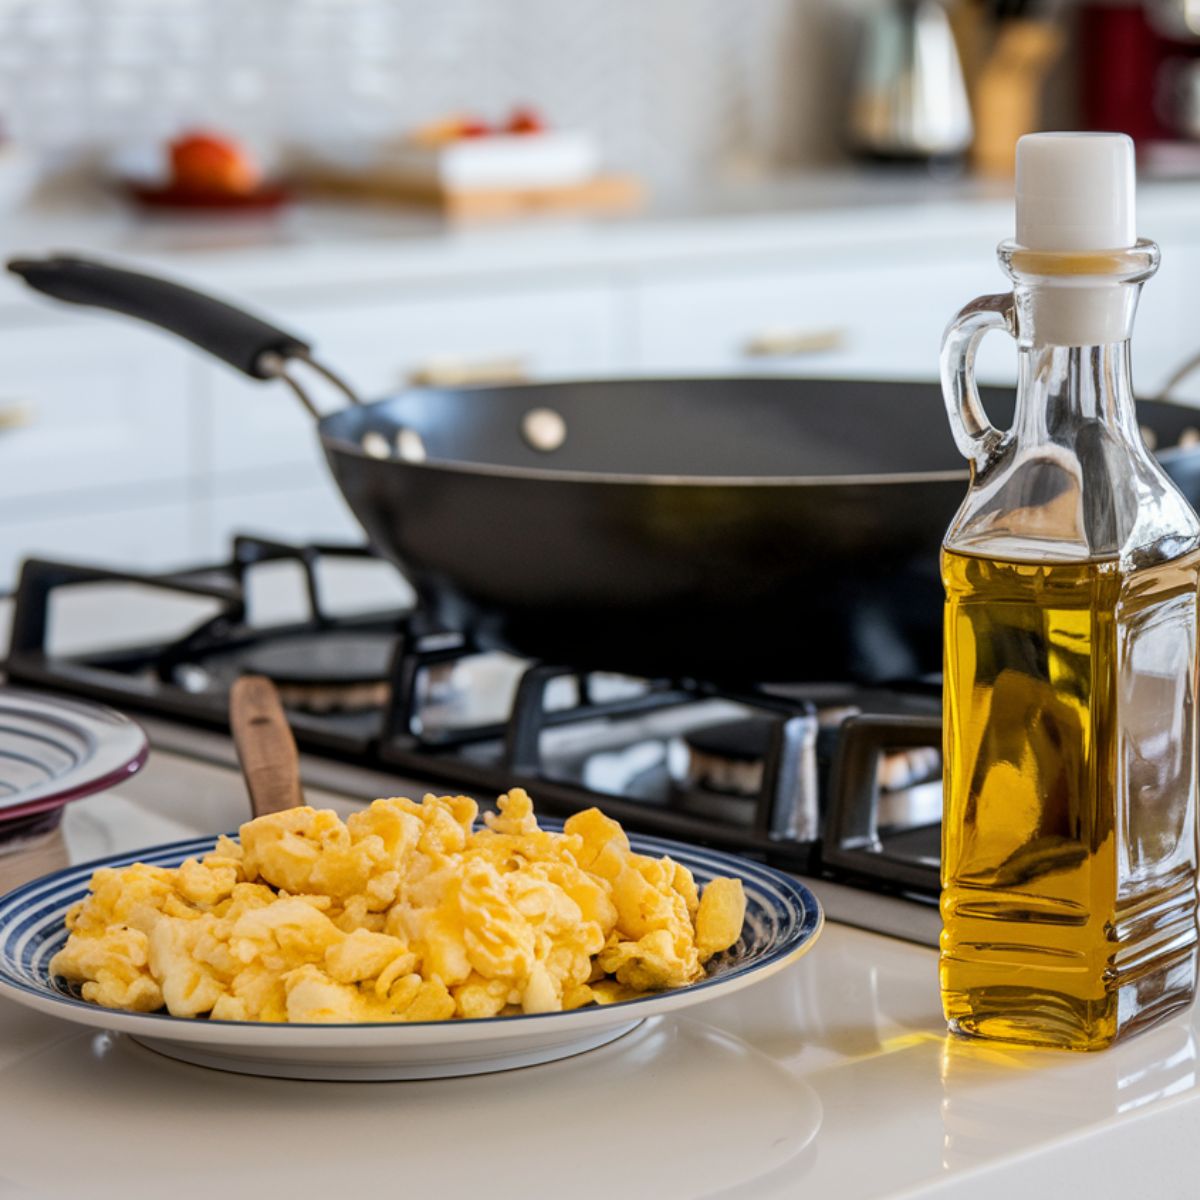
column 206, row 162
column 526, row 120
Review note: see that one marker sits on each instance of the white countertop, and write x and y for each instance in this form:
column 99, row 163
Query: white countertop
column 341, row 246
column 834, row 1078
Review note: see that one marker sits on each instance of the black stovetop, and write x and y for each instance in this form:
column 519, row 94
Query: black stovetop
column 831, row 779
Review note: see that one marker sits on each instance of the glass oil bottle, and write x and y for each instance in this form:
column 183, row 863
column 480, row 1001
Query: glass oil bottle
column 1069, row 840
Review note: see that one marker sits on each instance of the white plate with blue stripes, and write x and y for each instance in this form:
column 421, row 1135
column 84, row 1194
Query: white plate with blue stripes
column 783, row 919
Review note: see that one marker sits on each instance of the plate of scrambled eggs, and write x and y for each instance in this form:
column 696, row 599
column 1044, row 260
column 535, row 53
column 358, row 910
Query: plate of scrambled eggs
column 411, row 941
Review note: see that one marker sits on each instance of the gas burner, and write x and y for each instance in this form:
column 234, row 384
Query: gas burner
column 728, row 758
column 316, row 670
column 326, row 670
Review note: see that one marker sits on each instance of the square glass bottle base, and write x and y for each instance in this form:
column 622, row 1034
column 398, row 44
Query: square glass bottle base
column 1046, row 1017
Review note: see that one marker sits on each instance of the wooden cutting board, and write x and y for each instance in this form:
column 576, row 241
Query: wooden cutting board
column 604, row 193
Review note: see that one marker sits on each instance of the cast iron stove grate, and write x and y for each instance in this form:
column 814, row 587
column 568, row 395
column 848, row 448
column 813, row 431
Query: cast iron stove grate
column 788, row 774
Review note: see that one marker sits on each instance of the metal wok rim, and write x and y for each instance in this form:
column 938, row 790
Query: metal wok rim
column 614, row 477
column 558, row 475
column 627, row 479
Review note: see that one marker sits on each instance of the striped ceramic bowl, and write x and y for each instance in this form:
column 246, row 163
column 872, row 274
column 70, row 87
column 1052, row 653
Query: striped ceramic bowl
column 783, row 918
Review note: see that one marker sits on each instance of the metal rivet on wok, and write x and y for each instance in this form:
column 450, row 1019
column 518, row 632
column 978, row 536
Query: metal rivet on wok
column 376, row 445
column 544, row 429
column 409, row 446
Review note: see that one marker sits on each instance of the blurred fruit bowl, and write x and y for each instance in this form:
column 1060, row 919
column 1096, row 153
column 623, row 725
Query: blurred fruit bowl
column 268, row 196
column 200, row 170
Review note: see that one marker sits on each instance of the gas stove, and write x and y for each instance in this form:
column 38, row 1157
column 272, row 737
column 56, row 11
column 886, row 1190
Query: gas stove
column 833, row 781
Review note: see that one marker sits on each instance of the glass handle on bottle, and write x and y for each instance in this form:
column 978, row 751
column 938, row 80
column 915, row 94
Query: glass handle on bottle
column 976, row 437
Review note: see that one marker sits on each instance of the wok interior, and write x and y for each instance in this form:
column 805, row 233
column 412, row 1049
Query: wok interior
column 722, row 427
column 719, row 427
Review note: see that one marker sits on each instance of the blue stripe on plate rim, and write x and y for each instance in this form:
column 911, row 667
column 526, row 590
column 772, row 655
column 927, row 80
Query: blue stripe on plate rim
column 781, row 914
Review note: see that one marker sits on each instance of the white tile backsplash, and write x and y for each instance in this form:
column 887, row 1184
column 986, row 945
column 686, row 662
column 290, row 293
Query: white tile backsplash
column 673, row 87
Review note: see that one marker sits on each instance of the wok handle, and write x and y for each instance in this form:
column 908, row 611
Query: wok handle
column 245, row 342
column 976, row 437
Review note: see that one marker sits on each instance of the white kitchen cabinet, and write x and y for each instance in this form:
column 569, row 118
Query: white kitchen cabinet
column 1167, row 330
column 148, row 532
column 299, row 510
column 96, row 455
column 300, row 514
column 876, row 320
column 879, row 321
column 384, row 345
column 91, row 404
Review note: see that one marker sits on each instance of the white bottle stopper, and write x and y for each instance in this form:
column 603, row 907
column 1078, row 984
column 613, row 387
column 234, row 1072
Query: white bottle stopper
column 1075, row 191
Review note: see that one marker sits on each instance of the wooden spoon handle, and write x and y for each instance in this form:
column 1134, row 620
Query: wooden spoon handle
column 265, row 746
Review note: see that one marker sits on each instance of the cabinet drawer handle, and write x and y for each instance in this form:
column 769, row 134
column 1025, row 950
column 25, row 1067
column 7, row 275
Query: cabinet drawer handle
column 791, row 343
column 15, row 415
column 463, row 372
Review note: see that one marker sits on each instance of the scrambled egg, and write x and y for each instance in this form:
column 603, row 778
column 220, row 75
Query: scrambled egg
column 405, row 912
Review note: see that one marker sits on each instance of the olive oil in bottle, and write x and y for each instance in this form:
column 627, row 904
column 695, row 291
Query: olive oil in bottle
column 1069, row 843
column 1070, row 758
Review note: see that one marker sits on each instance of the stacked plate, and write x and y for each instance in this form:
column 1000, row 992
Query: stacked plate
column 55, row 750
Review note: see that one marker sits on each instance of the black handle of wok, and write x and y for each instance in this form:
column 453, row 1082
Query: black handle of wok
column 240, row 339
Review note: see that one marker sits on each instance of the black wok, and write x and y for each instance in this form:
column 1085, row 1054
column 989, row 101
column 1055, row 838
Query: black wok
column 730, row 530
